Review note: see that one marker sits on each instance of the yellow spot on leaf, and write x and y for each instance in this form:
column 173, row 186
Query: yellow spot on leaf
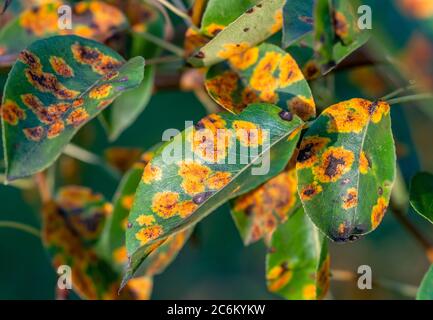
column 289, row 71
column 186, row 208
column 350, row 200
column 309, row 149
column 218, row 180
column 77, row 117
column 364, row 163
column 248, row 133
column 12, row 113
column 145, row 220
column 127, row 201
column 311, row 190
column 335, row 162
column 194, row 176
column 120, row 255
column 60, row 67
column 303, row 107
column 165, row 204
column 309, row 292
column 101, row 91
column 378, row 211
column 144, row 235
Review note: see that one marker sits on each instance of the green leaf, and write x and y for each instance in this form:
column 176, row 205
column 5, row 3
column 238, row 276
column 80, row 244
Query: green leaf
column 261, row 74
column 57, row 85
column 425, row 291
column 346, row 168
column 71, row 224
column 180, row 186
column 421, row 194
column 91, row 19
column 216, row 16
column 298, row 20
column 324, row 35
column 254, row 26
column 259, row 212
column 297, row 266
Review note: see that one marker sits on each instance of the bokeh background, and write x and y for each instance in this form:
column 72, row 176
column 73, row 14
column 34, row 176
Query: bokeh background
column 214, row 264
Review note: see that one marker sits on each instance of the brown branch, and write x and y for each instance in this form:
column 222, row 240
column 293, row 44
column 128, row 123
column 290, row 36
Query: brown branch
column 43, row 187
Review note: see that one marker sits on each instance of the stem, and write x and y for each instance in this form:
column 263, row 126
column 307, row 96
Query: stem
column 391, row 285
column 43, row 187
column 177, row 12
column 206, row 101
column 83, row 155
column 398, row 91
column 20, row 226
column 163, row 44
column 411, row 98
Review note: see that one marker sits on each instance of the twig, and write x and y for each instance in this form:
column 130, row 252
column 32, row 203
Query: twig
column 20, row 226
column 177, row 12
column 83, row 155
column 411, row 98
column 391, row 285
column 43, row 187
column 398, row 91
column 163, row 44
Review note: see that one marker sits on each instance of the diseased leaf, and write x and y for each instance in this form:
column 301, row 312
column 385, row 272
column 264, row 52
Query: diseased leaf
column 70, row 226
column 346, row 168
column 180, row 186
column 254, row 26
column 90, row 19
column 259, row 212
column 336, row 33
column 112, row 244
column 261, row 74
column 217, row 16
column 56, row 86
column 421, row 194
column 297, row 20
column 425, row 291
column 298, row 264
column 125, row 110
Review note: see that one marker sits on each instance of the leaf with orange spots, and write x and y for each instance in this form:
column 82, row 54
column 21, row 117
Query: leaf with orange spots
column 45, row 108
column 71, row 225
column 336, row 34
column 90, row 19
column 264, row 73
column 421, row 194
column 298, row 264
column 346, row 168
column 112, row 242
column 254, row 26
column 223, row 158
column 298, row 20
column 259, row 212
column 216, row 16
column 425, row 291
column 144, row 18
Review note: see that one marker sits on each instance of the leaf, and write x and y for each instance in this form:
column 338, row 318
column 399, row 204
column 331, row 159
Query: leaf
column 254, row 26
column 261, row 74
column 144, row 18
column 57, row 85
column 112, row 244
column 346, row 168
column 91, row 19
column 259, row 212
column 298, row 20
column 298, row 264
column 125, row 110
column 71, row 223
column 180, row 187
column 336, row 34
column 421, row 194
column 216, row 16
column 425, row 291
